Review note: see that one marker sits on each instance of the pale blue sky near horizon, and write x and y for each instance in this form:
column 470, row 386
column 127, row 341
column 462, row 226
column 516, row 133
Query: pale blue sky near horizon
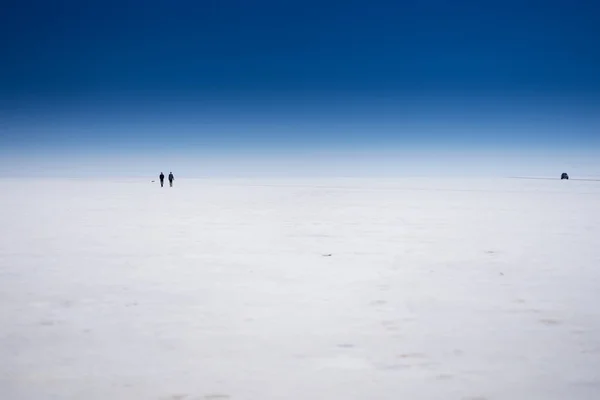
column 347, row 88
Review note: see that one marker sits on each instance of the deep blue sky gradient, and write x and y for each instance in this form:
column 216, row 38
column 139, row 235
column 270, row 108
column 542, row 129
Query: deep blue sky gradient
column 191, row 80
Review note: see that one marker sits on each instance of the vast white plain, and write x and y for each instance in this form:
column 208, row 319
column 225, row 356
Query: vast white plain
column 302, row 289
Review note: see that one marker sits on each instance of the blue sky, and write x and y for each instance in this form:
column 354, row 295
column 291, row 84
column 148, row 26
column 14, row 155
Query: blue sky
column 131, row 87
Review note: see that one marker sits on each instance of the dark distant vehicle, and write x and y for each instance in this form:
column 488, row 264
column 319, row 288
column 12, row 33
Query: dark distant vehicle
column 564, row 176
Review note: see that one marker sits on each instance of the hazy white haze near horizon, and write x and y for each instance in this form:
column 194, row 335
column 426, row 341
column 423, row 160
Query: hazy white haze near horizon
column 468, row 289
column 374, row 164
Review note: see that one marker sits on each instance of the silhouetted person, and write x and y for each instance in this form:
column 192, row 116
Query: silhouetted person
column 171, row 179
column 162, row 179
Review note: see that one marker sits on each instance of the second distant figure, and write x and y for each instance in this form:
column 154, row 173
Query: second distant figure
column 162, row 179
column 171, row 179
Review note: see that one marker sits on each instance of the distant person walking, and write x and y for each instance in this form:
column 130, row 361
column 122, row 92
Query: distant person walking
column 162, row 179
column 171, row 179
